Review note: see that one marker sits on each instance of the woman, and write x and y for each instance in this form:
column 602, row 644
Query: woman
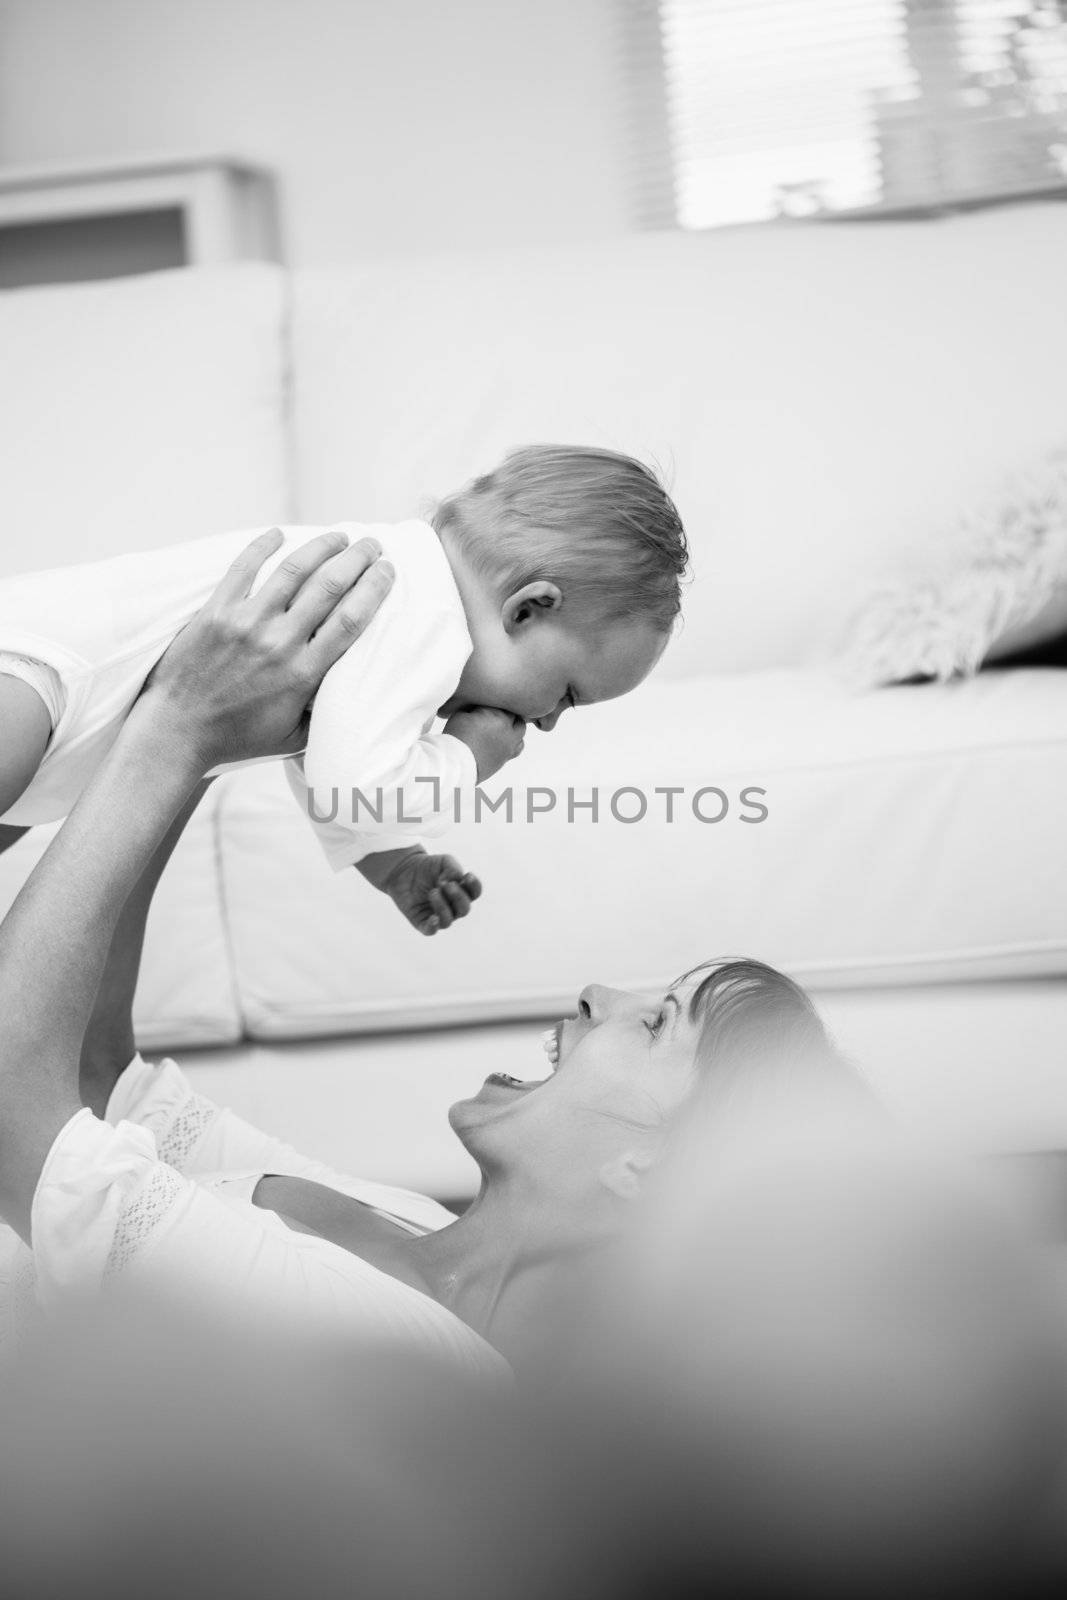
column 172, row 1192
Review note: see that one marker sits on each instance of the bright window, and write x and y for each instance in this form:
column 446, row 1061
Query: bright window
column 799, row 107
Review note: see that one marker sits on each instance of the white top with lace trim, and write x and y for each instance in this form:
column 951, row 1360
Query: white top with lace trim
column 146, row 1195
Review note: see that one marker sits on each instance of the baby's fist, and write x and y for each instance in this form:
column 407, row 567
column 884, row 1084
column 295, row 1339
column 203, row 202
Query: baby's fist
column 491, row 735
column 432, row 891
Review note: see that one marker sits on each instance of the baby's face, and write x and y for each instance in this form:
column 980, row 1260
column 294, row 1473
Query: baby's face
column 550, row 662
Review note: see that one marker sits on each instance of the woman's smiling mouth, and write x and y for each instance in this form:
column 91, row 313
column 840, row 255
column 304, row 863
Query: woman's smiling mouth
column 551, row 1043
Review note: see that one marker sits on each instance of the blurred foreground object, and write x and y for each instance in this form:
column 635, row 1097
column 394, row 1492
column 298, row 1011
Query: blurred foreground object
column 830, row 1366
column 821, row 1365
column 146, row 1453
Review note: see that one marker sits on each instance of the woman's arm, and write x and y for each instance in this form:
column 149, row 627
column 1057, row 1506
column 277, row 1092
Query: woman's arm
column 235, row 684
column 109, row 1045
column 55, row 940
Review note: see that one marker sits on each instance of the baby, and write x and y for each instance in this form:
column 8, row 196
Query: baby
column 551, row 583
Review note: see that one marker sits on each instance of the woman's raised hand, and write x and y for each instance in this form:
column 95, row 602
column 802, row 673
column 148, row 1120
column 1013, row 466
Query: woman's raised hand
column 240, row 676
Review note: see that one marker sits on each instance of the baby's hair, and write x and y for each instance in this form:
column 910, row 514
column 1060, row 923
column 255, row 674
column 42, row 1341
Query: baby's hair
column 598, row 524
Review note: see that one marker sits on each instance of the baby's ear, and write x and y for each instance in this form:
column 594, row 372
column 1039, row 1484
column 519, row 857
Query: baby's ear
column 533, row 600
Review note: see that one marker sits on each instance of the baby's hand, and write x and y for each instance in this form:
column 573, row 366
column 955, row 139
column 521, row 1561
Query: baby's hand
column 431, row 891
column 491, row 735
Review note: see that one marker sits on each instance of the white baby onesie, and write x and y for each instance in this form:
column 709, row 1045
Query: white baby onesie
column 100, row 629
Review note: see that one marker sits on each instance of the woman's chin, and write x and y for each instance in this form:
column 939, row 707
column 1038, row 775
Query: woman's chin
column 499, row 1090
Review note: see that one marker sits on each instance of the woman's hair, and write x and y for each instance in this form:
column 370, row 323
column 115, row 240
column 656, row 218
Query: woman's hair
column 600, row 525
column 760, row 1030
column 737, row 998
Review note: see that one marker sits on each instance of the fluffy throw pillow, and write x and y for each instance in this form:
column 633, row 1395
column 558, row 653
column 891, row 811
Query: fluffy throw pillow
column 1001, row 589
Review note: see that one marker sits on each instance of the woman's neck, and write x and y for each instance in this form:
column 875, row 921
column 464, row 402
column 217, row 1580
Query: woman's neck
column 506, row 1268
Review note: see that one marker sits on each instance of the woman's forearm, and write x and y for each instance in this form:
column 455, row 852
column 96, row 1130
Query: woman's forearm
column 55, row 940
column 109, row 1044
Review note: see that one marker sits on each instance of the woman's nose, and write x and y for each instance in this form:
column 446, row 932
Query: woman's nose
column 595, row 1002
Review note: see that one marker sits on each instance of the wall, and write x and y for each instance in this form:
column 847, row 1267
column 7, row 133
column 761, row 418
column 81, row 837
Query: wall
column 395, row 125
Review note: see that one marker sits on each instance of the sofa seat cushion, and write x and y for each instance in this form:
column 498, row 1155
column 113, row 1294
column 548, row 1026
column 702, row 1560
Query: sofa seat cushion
column 185, row 995
column 914, row 834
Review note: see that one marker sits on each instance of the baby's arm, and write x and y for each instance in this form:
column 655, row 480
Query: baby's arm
column 431, row 891
column 493, row 737
column 368, row 756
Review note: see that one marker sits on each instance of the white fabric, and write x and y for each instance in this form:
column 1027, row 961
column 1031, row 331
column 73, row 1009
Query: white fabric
column 205, row 1140
column 44, row 681
column 140, row 412
column 372, row 719
column 824, row 399
column 103, row 626
column 913, row 835
column 147, row 1196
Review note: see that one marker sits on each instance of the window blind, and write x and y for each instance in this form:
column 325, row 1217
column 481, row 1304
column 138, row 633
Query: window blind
column 819, row 107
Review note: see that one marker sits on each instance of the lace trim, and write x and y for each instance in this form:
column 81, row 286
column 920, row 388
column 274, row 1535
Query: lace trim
column 141, row 1217
column 177, row 1144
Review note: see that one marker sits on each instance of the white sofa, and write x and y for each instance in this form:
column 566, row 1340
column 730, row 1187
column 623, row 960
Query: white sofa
column 825, row 399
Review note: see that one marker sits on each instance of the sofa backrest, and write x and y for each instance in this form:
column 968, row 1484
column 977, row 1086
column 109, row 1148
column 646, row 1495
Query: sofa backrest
column 825, row 398
column 140, row 412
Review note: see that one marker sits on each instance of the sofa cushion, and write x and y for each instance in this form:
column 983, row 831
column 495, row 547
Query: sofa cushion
column 825, row 398
column 186, row 994
column 140, row 412
column 905, row 833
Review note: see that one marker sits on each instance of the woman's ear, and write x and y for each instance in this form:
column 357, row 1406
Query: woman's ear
column 624, row 1175
column 532, row 600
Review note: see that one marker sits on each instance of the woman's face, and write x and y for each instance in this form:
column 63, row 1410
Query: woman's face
column 623, row 1067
